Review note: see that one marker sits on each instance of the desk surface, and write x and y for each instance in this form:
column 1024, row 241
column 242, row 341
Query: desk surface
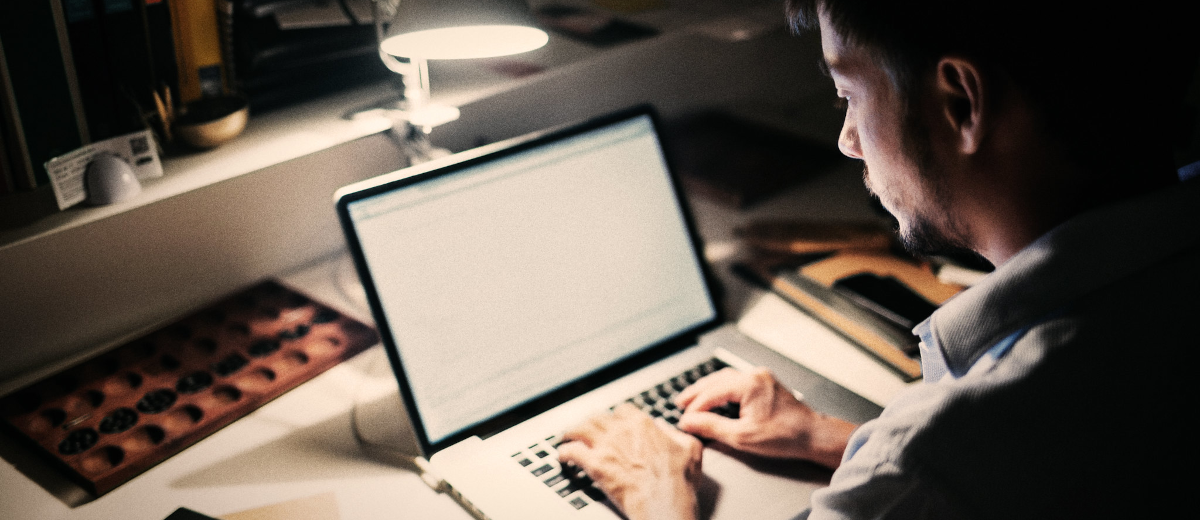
column 299, row 445
column 303, row 443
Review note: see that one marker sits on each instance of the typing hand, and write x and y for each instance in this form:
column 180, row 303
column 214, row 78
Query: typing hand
column 648, row 469
column 771, row 422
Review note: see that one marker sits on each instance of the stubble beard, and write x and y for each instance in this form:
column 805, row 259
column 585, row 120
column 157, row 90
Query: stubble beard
column 925, row 236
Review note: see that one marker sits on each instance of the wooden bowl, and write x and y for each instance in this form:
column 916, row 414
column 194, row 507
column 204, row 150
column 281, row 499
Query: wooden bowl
column 209, row 122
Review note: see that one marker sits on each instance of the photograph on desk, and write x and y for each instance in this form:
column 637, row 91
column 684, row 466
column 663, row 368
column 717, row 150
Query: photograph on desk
column 110, row 418
column 853, row 278
column 739, row 162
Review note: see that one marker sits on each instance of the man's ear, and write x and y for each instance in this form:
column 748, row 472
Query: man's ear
column 962, row 95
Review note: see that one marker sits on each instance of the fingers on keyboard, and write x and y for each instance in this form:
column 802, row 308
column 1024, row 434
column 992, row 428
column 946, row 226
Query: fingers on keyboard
column 568, row 481
column 657, row 401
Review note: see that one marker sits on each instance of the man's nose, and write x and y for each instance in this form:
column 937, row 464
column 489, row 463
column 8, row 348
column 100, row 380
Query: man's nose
column 848, row 140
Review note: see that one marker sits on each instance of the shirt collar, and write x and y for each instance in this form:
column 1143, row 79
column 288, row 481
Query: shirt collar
column 1077, row 257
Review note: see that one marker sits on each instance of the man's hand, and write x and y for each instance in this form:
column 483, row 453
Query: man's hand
column 648, row 469
column 771, row 422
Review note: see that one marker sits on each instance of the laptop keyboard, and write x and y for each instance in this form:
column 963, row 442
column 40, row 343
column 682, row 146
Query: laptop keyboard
column 571, row 483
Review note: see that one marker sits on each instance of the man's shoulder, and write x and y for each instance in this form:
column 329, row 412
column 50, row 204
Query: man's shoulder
column 1138, row 322
column 1075, row 418
column 1077, row 413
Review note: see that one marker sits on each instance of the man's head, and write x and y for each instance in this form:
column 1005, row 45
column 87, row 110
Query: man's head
column 956, row 107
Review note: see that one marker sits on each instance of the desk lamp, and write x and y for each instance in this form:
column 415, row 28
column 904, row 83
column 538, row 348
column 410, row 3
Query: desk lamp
column 417, row 31
column 423, row 30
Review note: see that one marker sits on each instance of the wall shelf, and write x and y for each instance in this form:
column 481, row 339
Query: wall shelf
column 260, row 205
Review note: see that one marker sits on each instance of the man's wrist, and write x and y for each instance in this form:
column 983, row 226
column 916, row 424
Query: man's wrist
column 676, row 502
column 827, row 440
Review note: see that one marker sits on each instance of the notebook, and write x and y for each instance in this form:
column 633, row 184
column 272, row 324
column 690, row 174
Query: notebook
column 525, row 285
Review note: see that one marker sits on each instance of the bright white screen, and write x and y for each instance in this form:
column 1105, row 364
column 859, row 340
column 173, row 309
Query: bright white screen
column 508, row 279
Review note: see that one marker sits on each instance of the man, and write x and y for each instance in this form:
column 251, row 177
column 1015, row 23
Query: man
column 1016, row 130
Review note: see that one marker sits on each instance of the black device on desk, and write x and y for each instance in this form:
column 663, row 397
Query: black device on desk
column 887, row 297
column 184, row 513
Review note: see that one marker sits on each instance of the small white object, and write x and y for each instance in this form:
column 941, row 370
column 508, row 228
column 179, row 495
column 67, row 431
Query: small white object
column 110, row 180
column 960, row 275
column 68, row 172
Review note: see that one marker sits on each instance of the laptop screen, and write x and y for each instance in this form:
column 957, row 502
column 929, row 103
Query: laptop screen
column 513, row 276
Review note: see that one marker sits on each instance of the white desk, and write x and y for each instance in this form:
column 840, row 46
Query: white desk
column 303, row 443
column 299, row 445
column 229, row 233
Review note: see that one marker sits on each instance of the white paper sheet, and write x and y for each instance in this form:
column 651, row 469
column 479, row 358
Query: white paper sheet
column 778, row 325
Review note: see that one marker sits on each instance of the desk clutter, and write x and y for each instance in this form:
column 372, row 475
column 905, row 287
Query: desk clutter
column 112, row 417
column 852, row 278
column 738, row 162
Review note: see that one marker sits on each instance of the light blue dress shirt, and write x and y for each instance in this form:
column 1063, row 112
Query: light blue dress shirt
column 1055, row 388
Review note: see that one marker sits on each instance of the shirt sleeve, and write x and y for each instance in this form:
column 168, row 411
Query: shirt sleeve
column 878, row 479
column 883, row 492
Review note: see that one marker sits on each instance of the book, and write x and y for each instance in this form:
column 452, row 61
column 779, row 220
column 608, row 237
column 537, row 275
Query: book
column 198, row 49
column 6, row 181
column 129, row 62
column 12, row 141
column 86, row 41
column 828, row 287
column 225, row 30
column 160, row 39
column 68, row 65
column 798, row 237
column 43, row 108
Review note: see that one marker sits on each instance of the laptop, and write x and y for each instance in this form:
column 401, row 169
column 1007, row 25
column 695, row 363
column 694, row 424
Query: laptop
column 526, row 285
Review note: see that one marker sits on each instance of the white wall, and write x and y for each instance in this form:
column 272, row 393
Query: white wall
column 69, row 293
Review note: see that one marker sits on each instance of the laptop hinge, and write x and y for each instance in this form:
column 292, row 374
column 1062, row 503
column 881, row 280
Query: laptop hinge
column 464, row 503
column 440, row 485
column 430, row 477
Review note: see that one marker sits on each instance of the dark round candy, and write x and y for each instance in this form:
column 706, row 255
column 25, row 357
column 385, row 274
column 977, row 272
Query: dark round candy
column 263, row 347
column 118, row 421
column 325, row 316
column 194, row 382
column 229, row 364
column 299, row 332
column 156, row 401
column 78, row 441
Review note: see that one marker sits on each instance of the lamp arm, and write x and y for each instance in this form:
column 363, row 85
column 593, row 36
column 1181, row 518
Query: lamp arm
column 381, row 16
column 415, row 93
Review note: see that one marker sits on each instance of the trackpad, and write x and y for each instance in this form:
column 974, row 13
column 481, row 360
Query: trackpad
column 739, row 486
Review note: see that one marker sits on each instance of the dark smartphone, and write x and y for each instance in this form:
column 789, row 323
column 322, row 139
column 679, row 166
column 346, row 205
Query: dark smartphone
column 887, row 297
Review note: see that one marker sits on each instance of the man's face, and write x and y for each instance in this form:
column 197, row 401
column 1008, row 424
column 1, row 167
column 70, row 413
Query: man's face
column 899, row 166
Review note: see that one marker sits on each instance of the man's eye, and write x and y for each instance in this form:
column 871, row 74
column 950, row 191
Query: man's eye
column 841, row 103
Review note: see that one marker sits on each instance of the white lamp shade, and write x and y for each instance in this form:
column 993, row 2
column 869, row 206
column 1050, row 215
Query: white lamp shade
column 461, row 29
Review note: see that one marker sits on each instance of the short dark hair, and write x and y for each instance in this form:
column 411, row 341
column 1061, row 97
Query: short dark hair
column 1106, row 82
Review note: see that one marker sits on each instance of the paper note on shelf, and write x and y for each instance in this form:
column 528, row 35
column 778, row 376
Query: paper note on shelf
column 67, row 171
column 777, row 324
